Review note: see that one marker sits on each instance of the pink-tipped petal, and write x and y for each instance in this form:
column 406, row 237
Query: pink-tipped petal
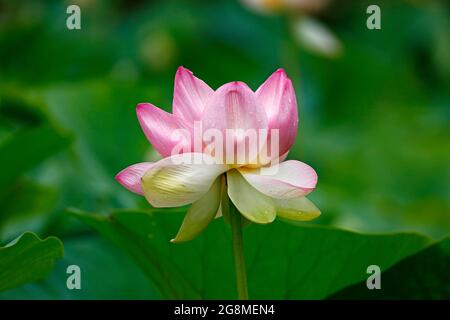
column 277, row 96
column 190, row 95
column 233, row 106
column 166, row 132
column 131, row 176
column 292, row 179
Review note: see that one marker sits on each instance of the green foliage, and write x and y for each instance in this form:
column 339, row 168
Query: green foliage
column 106, row 273
column 284, row 262
column 424, row 275
column 27, row 259
column 373, row 123
column 22, row 152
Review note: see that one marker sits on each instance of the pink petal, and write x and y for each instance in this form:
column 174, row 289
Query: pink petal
column 160, row 127
column 190, row 95
column 277, row 96
column 130, row 177
column 233, row 106
column 292, row 179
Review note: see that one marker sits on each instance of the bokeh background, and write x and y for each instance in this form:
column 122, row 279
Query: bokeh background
column 374, row 110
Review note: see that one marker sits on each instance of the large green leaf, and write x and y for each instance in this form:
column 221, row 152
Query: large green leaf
column 27, row 259
column 165, row 275
column 283, row 261
column 106, row 273
column 425, row 275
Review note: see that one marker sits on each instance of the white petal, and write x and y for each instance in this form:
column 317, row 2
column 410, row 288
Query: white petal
column 298, row 209
column 200, row 214
column 180, row 179
column 252, row 204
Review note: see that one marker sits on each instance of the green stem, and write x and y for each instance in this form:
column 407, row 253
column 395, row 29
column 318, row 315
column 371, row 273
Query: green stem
column 238, row 249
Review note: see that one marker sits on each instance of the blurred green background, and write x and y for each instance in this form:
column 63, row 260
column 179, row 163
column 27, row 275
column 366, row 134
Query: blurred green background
column 374, row 110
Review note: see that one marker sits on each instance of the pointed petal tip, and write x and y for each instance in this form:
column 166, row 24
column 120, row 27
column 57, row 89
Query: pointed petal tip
column 234, row 86
column 141, row 106
column 121, row 177
column 200, row 214
column 272, row 219
column 298, row 209
column 141, row 110
column 190, row 95
column 182, row 69
column 279, row 79
column 315, row 213
column 265, row 220
column 118, row 177
column 130, row 177
column 237, row 84
column 279, row 74
column 178, row 241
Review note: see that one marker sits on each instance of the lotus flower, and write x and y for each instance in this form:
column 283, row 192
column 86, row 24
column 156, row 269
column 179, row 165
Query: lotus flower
column 258, row 196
